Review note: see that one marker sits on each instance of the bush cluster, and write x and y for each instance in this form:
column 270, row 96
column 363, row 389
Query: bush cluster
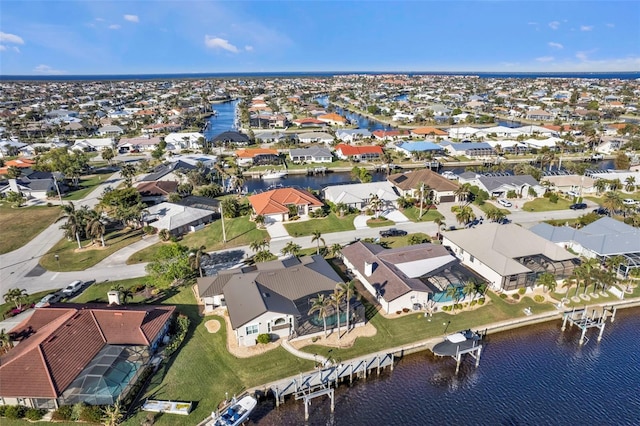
column 522, row 291
column 516, row 296
column 62, row 413
column 538, row 298
column 481, row 301
column 13, row 411
column 181, row 327
column 263, row 338
column 503, row 296
column 34, row 414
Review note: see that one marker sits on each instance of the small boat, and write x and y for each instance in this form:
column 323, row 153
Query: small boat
column 274, row 174
column 236, row 414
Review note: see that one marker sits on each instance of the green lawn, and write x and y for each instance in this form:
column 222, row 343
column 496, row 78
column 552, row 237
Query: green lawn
column 414, row 327
column 70, row 259
column 485, row 207
column 21, row 225
column 413, row 213
column 326, row 225
column 395, row 242
column 240, row 232
column 98, row 292
column 544, row 205
column 203, row 370
column 87, row 184
column 31, row 299
column 379, row 222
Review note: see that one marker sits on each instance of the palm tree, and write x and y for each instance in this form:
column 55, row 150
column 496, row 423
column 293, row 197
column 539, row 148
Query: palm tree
column 547, row 281
column 612, row 201
column 112, row 415
column 348, row 290
column 128, row 171
column 375, row 203
column 600, row 185
column 454, row 294
column 336, row 297
column 463, row 192
column 263, row 255
column 291, row 248
column 613, row 263
column 464, row 214
column 5, row 341
column 17, row 296
column 469, row 288
column 95, row 228
column 196, row 256
column 259, row 245
column 316, row 236
column 321, row 305
column 125, row 293
column 259, row 220
column 74, row 222
column 630, row 184
column 335, row 250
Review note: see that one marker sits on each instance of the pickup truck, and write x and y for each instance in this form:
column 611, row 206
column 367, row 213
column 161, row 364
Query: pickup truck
column 393, row 232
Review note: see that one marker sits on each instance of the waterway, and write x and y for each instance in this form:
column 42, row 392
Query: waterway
column 223, row 121
column 362, row 121
column 536, row 375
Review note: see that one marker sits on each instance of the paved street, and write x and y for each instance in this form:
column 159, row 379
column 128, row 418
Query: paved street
column 20, row 267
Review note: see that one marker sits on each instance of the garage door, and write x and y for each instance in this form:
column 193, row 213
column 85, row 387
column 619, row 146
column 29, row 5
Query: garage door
column 447, row 198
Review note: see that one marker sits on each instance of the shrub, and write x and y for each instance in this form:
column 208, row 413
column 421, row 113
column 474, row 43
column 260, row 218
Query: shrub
column 553, row 198
column 405, row 310
column 263, row 338
column 446, row 308
column 503, row 296
column 458, row 306
column 15, row 411
column 76, row 411
column 522, row 291
column 2, row 410
column 516, row 297
column 474, row 303
column 91, row 414
column 538, row 298
column 63, row 413
column 481, row 301
column 181, row 326
column 149, row 230
column 398, row 312
column 34, row 414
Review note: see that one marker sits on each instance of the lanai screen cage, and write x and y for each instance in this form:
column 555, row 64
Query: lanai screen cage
column 107, row 376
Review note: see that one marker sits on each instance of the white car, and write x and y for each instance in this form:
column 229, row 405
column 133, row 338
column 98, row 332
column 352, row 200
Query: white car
column 629, row 202
column 573, row 193
column 72, row 288
column 505, row 203
column 48, row 300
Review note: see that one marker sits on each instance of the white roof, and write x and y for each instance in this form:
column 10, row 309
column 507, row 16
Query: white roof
column 358, row 192
column 180, row 137
column 172, row 216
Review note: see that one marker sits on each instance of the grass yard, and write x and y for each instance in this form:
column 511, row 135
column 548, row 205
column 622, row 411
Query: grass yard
column 31, row 299
column 203, row 370
column 544, row 205
column 73, row 260
column 240, row 232
column 414, row 327
column 413, row 213
column 379, row 222
column 486, row 207
column 87, row 184
column 97, row 292
column 326, row 225
column 395, row 242
column 21, row 225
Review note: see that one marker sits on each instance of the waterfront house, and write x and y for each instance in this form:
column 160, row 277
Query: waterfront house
column 187, row 140
column 409, row 148
column 310, row 155
column 173, row 171
column 156, row 192
column 601, row 240
column 80, row 353
column 230, row 138
column 437, row 188
column 358, row 152
column 499, row 186
column 332, row 119
column 359, row 195
column 275, row 297
column 461, row 133
column 257, row 156
column 175, row 218
column 275, row 205
column 352, row 135
column 405, row 277
column 509, row 256
column 389, row 135
column 538, row 115
column 428, row 131
column 309, row 122
column 469, row 149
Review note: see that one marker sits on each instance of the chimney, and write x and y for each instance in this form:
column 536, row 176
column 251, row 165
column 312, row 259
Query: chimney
column 114, row 297
column 369, row 268
column 13, row 185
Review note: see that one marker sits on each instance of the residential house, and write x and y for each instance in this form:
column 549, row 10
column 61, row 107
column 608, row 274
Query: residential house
column 176, row 218
column 156, row 192
column 583, row 185
column 462, row 133
column 257, row 156
column 170, row 171
column 231, row 138
column 35, row 185
column 409, row 148
column 72, row 353
column 93, row 144
column 509, row 256
column 358, row 152
column 499, row 186
column 20, row 163
column 539, row 115
column 437, row 188
column 316, row 137
column 469, row 149
column 389, row 135
column 428, row 131
column 275, row 205
column 602, row 239
column 309, row 122
column 405, row 277
column 187, row 140
column 138, row 143
column 110, row 130
column 359, row 195
column 352, row 135
column 275, row 298
column 332, row 119
column 310, row 155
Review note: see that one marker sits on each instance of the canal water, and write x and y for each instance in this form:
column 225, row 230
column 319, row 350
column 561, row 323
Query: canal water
column 537, row 375
column 363, row 122
column 223, row 121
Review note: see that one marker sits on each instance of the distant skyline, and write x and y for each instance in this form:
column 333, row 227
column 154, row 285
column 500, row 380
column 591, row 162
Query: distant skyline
column 153, row 37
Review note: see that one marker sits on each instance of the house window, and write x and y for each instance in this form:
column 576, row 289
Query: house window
column 472, row 259
column 251, row 329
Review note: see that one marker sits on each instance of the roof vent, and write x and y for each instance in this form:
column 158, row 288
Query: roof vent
column 265, row 294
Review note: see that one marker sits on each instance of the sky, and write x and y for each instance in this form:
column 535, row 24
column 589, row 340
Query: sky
column 95, row 37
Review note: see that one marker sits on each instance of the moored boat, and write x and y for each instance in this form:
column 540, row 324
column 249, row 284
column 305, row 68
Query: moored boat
column 273, row 174
column 236, row 414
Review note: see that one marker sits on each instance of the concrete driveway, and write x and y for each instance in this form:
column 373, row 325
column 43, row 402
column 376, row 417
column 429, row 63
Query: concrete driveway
column 277, row 231
column 395, row 215
column 360, row 221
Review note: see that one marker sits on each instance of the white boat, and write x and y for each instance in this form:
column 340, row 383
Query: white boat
column 236, row 414
column 274, row 174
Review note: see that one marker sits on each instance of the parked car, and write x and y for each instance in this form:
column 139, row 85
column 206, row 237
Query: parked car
column 578, row 206
column 393, row 232
column 72, row 288
column 49, row 299
column 573, row 193
column 601, row 211
column 629, row 202
column 505, row 203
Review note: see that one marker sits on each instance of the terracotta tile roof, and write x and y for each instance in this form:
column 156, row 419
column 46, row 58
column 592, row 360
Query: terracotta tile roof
column 308, row 121
column 250, row 153
column 58, row 343
column 425, row 131
column 358, row 150
column 161, row 187
column 277, row 200
column 332, row 117
column 387, row 133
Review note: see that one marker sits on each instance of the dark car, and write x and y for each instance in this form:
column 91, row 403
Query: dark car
column 578, row 206
column 393, row 232
column 601, row 211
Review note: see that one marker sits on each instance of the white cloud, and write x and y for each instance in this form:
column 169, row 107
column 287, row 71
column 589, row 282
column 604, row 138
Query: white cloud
column 2, row 48
column 545, row 59
column 10, row 38
column 46, row 69
column 611, row 25
column 586, row 27
column 16, row 49
column 555, row 45
column 219, row 43
column 114, row 27
column 248, row 48
column 582, row 56
column 554, row 25
column 131, row 18
column 100, row 19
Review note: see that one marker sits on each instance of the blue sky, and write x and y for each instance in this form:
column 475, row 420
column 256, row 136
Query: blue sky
column 136, row 37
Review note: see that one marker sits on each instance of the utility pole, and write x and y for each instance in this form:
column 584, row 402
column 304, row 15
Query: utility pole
column 224, row 233
column 421, row 199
